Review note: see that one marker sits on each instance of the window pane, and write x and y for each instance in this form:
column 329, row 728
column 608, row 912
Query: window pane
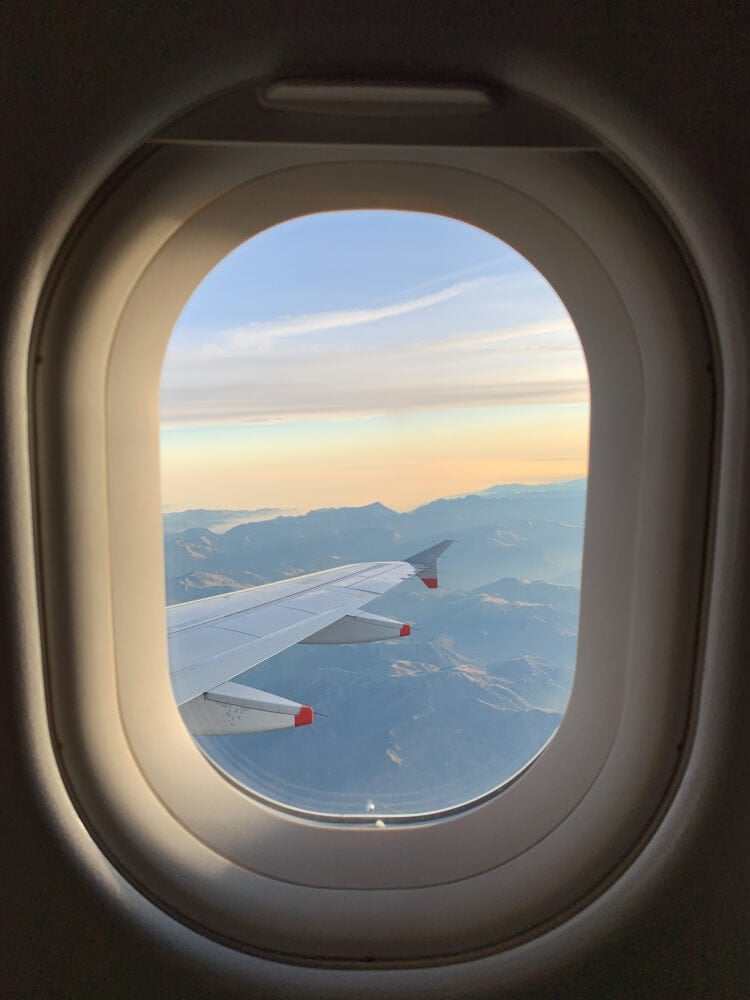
column 358, row 386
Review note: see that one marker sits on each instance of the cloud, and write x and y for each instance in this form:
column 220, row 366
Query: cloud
column 469, row 341
column 334, row 386
column 235, row 342
column 274, row 372
column 460, row 272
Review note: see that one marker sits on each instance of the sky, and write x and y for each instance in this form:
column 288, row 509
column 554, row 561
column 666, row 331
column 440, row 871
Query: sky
column 343, row 358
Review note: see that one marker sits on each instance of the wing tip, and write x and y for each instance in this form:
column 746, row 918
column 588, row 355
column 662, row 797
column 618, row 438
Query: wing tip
column 304, row 717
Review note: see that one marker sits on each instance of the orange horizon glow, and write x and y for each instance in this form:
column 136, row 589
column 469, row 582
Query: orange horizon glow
column 401, row 464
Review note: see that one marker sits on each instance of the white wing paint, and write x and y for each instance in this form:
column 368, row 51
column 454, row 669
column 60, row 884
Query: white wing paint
column 213, row 640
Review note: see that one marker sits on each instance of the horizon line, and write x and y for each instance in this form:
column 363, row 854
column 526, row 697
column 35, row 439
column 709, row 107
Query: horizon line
column 298, row 512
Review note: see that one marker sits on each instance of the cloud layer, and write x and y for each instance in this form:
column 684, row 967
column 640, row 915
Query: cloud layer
column 456, row 347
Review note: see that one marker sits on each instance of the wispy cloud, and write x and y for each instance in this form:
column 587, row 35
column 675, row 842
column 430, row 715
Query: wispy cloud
column 450, row 276
column 335, row 386
column 276, row 371
column 236, row 408
column 234, row 342
column 466, row 342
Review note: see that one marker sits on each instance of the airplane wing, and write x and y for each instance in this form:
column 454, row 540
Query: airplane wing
column 213, row 640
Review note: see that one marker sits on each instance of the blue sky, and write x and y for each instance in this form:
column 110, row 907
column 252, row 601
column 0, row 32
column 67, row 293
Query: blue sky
column 339, row 260
column 348, row 357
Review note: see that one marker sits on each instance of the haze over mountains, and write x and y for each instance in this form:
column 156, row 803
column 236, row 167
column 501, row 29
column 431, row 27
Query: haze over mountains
column 425, row 722
column 175, row 522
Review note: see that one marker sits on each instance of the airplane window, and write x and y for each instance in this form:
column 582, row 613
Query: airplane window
column 343, row 393
column 375, row 455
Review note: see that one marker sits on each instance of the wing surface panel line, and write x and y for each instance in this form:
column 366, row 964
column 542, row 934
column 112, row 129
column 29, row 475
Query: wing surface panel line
column 372, row 569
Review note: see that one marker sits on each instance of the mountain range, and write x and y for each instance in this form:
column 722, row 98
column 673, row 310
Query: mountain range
column 418, row 724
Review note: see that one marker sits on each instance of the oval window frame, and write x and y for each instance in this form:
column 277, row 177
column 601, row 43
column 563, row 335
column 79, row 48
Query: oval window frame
column 296, row 887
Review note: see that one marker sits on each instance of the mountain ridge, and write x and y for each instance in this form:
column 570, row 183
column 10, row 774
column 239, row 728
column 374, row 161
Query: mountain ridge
column 416, row 724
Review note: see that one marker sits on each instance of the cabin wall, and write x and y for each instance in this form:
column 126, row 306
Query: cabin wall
column 82, row 84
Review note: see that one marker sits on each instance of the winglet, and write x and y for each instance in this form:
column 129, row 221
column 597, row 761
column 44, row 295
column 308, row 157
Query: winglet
column 425, row 563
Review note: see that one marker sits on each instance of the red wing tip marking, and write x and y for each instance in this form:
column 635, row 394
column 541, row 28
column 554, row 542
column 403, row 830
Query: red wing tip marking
column 304, row 717
column 405, row 630
column 429, row 581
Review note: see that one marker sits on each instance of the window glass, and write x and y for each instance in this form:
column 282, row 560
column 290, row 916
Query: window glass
column 358, row 386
